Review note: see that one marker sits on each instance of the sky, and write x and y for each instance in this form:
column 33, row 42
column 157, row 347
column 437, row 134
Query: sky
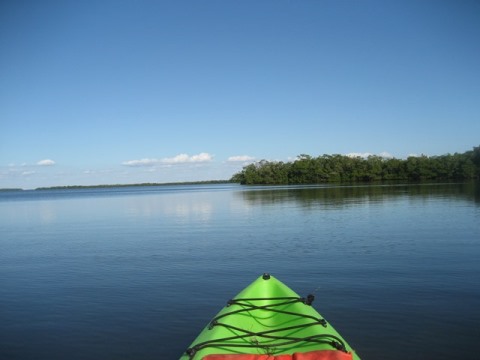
column 123, row 91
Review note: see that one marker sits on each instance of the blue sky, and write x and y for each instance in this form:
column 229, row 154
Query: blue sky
column 95, row 92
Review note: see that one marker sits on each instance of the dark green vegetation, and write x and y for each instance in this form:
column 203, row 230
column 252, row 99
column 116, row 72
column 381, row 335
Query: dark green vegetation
column 73, row 187
column 341, row 168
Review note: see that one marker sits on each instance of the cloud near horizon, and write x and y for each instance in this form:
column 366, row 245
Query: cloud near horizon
column 241, row 158
column 46, row 162
column 178, row 159
column 141, row 162
column 383, row 154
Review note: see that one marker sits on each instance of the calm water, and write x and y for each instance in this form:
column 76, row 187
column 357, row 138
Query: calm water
column 136, row 273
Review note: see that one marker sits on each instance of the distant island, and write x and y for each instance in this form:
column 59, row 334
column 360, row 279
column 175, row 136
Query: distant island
column 342, row 168
column 73, row 187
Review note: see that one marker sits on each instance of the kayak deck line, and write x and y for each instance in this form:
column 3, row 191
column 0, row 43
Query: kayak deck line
column 262, row 326
column 332, row 340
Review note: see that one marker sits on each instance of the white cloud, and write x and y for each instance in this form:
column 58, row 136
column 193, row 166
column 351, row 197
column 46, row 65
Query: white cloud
column 46, row 162
column 365, row 155
column 185, row 158
column 28, row 173
column 241, row 158
column 141, row 162
column 178, row 159
column 202, row 157
column 386, row 155
column 361, row 155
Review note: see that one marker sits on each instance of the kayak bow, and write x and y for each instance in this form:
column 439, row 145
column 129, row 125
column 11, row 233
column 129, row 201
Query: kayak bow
column 269, row 321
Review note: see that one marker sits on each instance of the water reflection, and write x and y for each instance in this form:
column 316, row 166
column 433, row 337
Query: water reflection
column 203, row 206
column 178, row 206
column 340, row 196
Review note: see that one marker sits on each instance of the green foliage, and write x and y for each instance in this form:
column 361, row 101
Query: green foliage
column 340, row 168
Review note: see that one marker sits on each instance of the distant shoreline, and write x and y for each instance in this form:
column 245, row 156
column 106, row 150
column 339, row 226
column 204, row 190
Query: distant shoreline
column 79, row 187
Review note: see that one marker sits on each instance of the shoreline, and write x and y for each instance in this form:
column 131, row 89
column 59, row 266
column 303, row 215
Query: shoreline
column 101, row 186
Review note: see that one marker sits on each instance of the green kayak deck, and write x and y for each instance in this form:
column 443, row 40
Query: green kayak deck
column 267, row 321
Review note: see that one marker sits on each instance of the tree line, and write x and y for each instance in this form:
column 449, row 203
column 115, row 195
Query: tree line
column 342, row 168
column 103, row 186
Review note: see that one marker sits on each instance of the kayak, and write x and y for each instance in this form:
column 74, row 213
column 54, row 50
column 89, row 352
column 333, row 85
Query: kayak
column 269, row 321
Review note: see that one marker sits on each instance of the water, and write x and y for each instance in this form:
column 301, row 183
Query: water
column 135, row 273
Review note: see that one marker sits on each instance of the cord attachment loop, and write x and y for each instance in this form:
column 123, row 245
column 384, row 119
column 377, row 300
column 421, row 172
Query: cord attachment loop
column 309, row 299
